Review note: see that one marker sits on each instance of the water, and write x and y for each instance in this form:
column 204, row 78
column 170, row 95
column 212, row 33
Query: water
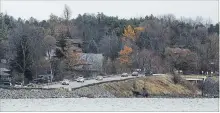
column 111, row 104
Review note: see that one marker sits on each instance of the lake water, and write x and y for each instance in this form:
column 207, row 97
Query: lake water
column 111, row 104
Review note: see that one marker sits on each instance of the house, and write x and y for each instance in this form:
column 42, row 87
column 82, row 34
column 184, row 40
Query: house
column 92, row 64
column 4, row 71
column 95, row 61
column 4, row 74
column 72, row 45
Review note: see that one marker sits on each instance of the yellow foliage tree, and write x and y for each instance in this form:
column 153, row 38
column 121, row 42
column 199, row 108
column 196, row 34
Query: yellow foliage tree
column 130, row 32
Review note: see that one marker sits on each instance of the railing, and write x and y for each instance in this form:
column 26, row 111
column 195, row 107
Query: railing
column 194, row 78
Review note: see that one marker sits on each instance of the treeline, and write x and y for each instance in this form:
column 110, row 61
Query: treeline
column 160, row 44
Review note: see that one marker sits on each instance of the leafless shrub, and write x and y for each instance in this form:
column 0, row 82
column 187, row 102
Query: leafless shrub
column 179, row 80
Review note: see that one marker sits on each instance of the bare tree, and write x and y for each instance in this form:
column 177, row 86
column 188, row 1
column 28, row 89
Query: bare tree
column 25, row 48
column 67, row 12
column 181, row 59
column 50, row 44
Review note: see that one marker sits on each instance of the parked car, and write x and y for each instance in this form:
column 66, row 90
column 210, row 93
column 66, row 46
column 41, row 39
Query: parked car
column 138, row 70
column 30, row 85
column 99, row 78
column 147, row 73
column 18, row 84
column 135, row 73
column 35, row 81
column 65, row 82
column 124, row 75
column 80, row 79
column 7, row 84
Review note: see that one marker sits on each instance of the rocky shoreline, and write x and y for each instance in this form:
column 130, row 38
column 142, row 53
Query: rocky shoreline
column 91, row 92
column 53, row 93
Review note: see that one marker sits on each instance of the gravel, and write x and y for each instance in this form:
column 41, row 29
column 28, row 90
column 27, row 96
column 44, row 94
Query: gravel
column 34, row 93
column 94, row 91
column 91, row 92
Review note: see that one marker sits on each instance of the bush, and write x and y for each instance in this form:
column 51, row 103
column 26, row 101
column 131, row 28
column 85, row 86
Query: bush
column 86, row 95
column 179, row 80
column 189, row 85
column 90, row 96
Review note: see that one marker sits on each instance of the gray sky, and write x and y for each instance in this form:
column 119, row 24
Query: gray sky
column 123, row 9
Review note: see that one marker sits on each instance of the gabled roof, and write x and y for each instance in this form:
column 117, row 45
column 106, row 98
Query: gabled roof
column 95, row 60
column 3, row 69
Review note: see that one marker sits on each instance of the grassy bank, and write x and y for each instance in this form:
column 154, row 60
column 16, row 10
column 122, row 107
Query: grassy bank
column 155, row 85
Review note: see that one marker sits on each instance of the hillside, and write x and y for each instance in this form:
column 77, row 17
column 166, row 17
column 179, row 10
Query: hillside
column 155, row 85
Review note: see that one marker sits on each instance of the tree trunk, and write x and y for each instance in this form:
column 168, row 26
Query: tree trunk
column 24, row 65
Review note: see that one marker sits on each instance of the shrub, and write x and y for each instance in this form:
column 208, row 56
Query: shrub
column 179, row 80
column 86, row 95
column 89, row 96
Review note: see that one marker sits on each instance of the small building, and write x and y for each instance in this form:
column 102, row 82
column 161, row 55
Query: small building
column 92, row 64
column 95, row 60
column 4, row 74
column 4, row 71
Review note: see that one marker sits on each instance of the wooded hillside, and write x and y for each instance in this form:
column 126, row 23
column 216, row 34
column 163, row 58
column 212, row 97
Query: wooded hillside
column 159, row 44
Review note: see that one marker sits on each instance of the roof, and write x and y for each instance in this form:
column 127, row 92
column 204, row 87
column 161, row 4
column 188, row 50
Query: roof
column 179, row 50
column 3, row 69
column 96, row 60
column 75, row 41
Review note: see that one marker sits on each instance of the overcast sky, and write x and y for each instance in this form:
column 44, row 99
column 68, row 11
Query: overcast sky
column 123, row 9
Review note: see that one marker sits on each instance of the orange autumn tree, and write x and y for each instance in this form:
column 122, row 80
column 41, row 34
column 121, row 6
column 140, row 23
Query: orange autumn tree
column 130, row 35
column 124, row 55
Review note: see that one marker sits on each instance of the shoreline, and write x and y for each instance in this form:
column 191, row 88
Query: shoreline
column 62, row 93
